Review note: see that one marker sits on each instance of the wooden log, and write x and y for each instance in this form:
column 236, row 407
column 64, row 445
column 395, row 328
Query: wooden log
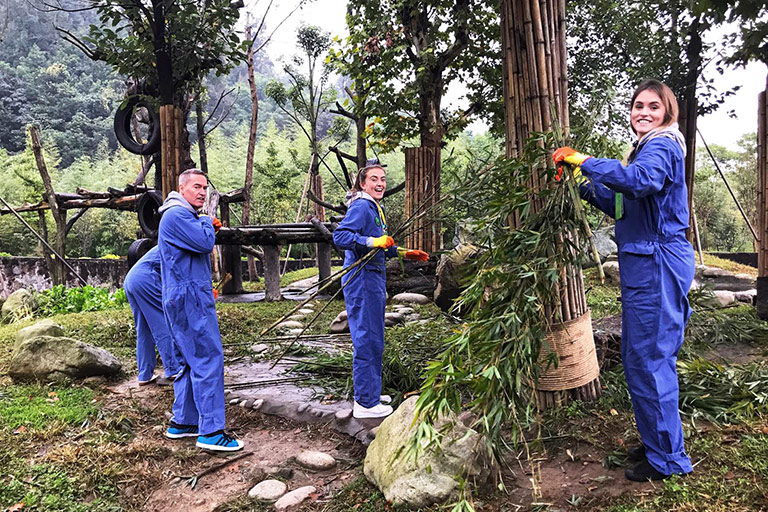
column 272, row 273
column 230, row 258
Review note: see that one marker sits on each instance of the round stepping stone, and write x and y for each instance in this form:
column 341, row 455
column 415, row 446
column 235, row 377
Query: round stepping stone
column 257, row 404
column 268, row 490
column 247, row 403
column 290, row 324
column 234, row 401
column 294, row 332
column 403, row 310
column 317, row 461
column 306, row 311
column 411, row 298
column 296, row 317
column 294, row 498
column 343, row 414
column 302, row 407
column 259, row 348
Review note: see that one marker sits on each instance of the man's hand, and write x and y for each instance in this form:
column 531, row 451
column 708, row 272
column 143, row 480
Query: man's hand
column 412, row 254
column 216, row 224
column 382, row 242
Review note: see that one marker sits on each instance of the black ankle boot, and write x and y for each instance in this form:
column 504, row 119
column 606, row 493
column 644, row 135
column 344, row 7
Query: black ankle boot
column 643, row 472
column 636, row 453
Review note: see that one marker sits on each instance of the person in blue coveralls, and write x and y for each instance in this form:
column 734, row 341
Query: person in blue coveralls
column 144, row 292
column 363, row 229
column 185, row 240
column 649, row 200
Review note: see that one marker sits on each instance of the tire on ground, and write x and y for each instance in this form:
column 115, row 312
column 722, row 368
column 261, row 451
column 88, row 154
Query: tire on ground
column 138, row 249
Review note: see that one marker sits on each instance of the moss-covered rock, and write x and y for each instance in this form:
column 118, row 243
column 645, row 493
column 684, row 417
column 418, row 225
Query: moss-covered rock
column 20, row 304
column 45, row 327
column 56, row 358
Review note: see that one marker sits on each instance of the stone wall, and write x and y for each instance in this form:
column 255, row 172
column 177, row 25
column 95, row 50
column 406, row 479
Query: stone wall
column 17, row 272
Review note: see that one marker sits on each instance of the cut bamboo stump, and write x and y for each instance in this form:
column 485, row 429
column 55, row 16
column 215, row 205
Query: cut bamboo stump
column 171, row 123
column 422, row 182
column 536, row 101
column 272, row 273
column 762, row 206
column 230, row 260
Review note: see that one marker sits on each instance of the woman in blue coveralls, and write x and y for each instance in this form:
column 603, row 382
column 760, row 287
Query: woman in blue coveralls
column 649, row 199
column 364, row 228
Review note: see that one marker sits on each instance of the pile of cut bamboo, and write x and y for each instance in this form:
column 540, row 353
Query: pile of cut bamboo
column 536, row 100
column 422, row 183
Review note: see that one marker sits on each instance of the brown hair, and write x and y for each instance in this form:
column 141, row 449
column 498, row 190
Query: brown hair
column 667, row 99
column 362, row 174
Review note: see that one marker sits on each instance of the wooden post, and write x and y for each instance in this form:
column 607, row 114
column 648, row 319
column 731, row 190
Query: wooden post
column 536, row 86
column 422, row 180
column 230, row 260
column 272, row 272
column 761, row 301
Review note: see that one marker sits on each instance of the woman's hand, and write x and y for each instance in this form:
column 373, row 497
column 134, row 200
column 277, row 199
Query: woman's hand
column 569, row 156
column 412, row 254
column 381, row 242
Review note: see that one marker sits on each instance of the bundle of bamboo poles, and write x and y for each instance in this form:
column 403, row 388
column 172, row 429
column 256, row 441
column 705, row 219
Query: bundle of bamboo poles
column 422, row 180
column 536, row 99
column 762, row 199
column 172, row 123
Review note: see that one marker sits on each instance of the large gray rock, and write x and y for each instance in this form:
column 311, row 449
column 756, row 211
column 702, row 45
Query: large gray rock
column 340, row 324
column 50, row 358
column 431, row 479
column 605, row 245
column 451, row 271
column 294, row 499
column 411, row 298
column 720, row 279
column 20, row 304
column 45, row 327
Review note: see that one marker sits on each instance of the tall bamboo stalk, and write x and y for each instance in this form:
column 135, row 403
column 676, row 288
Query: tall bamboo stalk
column 535, row 94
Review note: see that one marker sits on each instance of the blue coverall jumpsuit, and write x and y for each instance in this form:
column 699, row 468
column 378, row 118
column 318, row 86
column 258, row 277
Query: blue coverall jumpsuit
column 365, row 296
column 144, row 291
column 656, row 266
column 186, row 241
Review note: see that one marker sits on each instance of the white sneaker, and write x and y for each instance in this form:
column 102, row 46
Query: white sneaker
column 377, row 411
column 385, row 399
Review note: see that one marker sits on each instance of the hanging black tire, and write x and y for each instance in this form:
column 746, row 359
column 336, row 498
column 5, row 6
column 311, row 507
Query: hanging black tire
column 123, row 130
column 149, row 218
column 138, row 249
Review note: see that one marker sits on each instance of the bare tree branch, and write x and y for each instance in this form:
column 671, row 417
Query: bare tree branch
column 74, row 40
column 75, row 217
column 338, row 209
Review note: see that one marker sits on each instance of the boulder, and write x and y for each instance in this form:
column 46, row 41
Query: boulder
column 432, row 478
column 605, row 245
column 411, row 276
column 340, row 324
column 611, row 269
column 411, row 298
column 51, row 358
column 451, row 271
column 45, row 327
column 20, row 304
column 719, row 279
column 747, row 296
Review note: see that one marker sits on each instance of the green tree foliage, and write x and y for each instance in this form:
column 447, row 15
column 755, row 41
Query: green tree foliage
column 721, row 226
column 751, row 16
column 401, row 56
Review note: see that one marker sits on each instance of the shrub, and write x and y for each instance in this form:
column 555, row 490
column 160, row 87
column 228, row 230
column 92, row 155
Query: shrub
column 61, row 299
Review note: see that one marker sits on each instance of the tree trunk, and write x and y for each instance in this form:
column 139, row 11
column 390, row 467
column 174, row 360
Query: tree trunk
column 248, row 185
column 689, row 111
column 201, row 148
column 535, row 86
column 317, row 188
column 55, row 266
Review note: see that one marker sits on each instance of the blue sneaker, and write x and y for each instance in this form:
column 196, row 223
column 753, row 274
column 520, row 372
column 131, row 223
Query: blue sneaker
column 176, row 431
column 219, row 442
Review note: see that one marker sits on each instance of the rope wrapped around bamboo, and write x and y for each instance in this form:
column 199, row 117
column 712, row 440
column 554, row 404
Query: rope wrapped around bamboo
column 573, row 343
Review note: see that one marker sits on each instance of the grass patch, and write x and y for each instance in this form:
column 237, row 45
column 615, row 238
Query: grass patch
column 286, row 279
column 731, row 266
column 36, row 407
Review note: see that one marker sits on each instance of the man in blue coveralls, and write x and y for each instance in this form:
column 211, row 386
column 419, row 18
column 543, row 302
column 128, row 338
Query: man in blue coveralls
column 185, row 241
column 144, row 291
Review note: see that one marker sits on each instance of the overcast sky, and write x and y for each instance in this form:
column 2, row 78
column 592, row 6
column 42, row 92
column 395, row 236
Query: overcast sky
column 718, row 128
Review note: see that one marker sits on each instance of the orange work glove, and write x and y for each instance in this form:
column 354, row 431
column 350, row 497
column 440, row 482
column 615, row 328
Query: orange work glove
column 381, row 242
column 215, row 294
column 569, row 156
column 412, row 254
column 216, row 224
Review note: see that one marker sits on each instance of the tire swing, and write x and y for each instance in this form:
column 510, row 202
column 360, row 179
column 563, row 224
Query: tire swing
column 149, row 218
column 138, row 249
column 123, row 130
